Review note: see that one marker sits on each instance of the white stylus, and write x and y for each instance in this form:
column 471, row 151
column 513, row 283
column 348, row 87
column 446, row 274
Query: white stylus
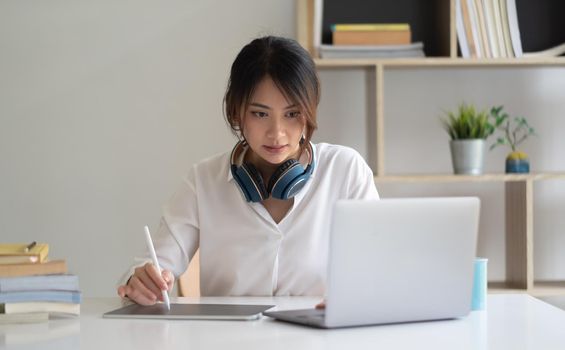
column 149, row 242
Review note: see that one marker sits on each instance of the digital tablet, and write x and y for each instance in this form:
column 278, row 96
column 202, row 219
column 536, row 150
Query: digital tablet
column 191, row 311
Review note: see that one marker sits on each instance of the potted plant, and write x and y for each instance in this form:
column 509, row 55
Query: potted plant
column 468, row 129
column 514, row 133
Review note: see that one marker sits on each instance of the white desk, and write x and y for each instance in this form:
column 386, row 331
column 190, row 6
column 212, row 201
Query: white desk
column 514, row 322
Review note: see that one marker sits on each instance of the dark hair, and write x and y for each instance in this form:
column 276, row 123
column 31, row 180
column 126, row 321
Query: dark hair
column 289, row 66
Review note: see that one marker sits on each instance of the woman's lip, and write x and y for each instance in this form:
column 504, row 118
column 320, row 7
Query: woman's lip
column 275, row 149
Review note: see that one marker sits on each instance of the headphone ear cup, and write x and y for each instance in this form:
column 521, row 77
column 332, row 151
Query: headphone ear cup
column 282, row 184
column 255, row 184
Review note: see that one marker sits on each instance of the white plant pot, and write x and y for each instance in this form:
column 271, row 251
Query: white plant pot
column 467, row 156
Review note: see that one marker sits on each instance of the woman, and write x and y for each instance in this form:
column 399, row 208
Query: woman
column 260, row 214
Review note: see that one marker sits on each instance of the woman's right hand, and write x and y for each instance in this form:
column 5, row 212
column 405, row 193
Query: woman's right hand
column 145, row 285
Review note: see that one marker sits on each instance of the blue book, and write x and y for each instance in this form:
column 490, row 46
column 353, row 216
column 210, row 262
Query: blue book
column 40, row 282
column 41, row 295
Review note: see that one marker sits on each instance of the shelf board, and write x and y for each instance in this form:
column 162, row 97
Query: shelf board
column 439, row 62
column 470, row 178
column 541, row 288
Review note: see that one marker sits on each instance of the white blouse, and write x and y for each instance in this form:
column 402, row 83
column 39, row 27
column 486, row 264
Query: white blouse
column 242, row 250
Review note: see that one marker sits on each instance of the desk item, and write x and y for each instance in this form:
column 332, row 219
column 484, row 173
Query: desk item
column 63, row 296
column 156, row 263
column 397, row 260
column 191, row 311
column 479, row 301
column 20, row 253
column 30, row 246
column 26, row 269
column 51, row 307
column 42, row 282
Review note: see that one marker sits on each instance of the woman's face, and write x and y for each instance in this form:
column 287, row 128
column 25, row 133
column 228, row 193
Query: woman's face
column 272, row 126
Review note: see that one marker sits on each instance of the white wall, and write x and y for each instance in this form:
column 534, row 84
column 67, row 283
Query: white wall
column 105, row 104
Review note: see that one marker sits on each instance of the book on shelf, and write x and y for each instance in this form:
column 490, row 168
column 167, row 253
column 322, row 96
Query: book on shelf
column 491, row 27
column 461, row 33
column 23, row 317
column 488, row 28
column 499, row 30
column 367, row 27
column 473, row 22
column 413, row 50
column 18, row 253
column 506, row 29
column 44, row 268
column 464, row 30
column 512, row 14
column 482, row 25
column 376, row 37
column 63, row 296
column 39, row 282
column 41, row 306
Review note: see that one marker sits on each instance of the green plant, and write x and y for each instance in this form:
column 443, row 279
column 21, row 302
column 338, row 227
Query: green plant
column 515, row 132
column 467, row 123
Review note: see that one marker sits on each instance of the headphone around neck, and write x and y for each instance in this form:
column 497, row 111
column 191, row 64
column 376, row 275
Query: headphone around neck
column 287, row 180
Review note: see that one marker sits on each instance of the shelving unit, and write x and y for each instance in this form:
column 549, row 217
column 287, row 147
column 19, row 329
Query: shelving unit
column 518, row 187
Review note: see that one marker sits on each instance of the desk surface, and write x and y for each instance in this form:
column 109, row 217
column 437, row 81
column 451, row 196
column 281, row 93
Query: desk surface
column 514, row 322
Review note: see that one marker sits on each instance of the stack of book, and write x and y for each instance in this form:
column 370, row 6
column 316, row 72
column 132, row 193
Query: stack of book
column 32, row 288
column 488, row 28
column 375, row 40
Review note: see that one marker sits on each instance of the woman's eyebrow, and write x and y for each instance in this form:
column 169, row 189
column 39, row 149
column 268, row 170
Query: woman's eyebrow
column 259, row 105
column 256, row 104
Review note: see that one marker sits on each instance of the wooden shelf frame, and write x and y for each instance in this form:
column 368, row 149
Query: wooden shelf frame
column 518, row 187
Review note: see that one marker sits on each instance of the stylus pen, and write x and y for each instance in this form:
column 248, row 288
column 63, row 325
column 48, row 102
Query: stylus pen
column 156, row 263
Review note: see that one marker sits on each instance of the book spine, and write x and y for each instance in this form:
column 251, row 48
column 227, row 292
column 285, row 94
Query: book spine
column 372, row 38
column 475, row 28
column 468, row 29
column 460, row 27
column 491, row 28
column 47, row 268
column 514, row 29
column 57, row 296
column 46, row 282
column 370, row 27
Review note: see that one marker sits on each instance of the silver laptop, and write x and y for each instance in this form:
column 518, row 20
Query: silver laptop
column 397, row 260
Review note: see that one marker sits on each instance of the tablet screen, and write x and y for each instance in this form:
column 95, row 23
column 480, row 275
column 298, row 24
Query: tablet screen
column 191, row 311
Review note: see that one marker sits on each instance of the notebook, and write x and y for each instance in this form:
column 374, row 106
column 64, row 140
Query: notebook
column 396, row 260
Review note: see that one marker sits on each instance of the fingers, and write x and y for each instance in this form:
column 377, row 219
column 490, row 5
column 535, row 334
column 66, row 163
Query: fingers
column 146, row 285
column 144, row 275
column 139, row 293
column 156, row 278
column 169, row 278
column 321, row 305
column 122, row 291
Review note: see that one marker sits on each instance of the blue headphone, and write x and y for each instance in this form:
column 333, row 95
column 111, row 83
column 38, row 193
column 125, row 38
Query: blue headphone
column 287, row 180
